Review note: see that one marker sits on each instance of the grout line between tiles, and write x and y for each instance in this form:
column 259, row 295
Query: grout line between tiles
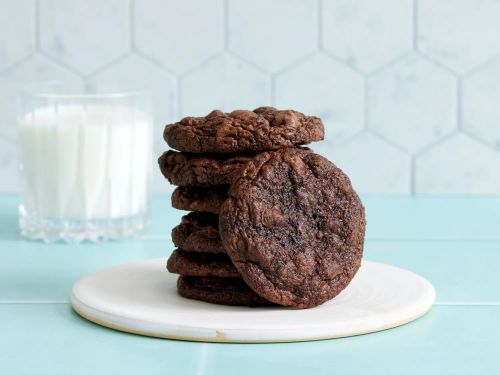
column 481, row 141
column 203, row 359
column 28, row 302
column 415, row 25
column 413, row 175
column 366, row 112
column 392, row 62
column 61, row 64
column 17, row 63
column 131, row 25
column 472, row 304
column 37, row 25
column 493, row 60
column 179, row 100
column 273, row 90
column 433, row 239
column 135, row 52
column 204, row 63
column 458, row 104
column 338, row 60
column 437, row 64
column 383, row 138
column 226, row 25
column 437, row 142
column 298, row 62
column 108, row 65
column 250, row 63
column 320, row 24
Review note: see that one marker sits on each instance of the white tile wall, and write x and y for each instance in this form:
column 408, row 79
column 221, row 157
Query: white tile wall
column 178, row 34
column 272, row 34
column 374, row 165
column 456, row 165
column 412, row 103
column 36, row 67
column 481, row 103
column 328, row 89
column 409, row 90
column 224, row 82
column 460, row 34
column 16, row 18
column 367, row 34
column 83, row 34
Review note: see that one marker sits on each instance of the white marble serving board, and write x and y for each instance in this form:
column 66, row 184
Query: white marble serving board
column 141, row 298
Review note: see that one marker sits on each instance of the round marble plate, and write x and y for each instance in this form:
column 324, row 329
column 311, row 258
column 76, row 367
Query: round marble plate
column 141, row 298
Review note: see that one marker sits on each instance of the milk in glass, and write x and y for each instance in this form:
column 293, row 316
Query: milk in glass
column 85, row 168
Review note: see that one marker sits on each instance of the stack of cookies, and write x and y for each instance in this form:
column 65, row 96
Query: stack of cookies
column 270, row 222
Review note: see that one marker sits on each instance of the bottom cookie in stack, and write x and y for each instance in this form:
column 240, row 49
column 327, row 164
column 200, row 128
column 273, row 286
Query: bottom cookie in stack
column 211, row 278
column 220, row 290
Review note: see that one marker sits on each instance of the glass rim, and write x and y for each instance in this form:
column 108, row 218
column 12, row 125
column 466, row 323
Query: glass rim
column 42, row 89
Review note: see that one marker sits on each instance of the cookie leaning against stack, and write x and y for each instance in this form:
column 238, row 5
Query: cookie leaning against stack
column 291, row 227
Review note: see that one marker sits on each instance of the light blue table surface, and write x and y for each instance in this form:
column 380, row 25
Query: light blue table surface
column 453, row 242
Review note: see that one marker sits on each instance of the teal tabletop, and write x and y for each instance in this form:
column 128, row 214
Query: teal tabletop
column 453, row 242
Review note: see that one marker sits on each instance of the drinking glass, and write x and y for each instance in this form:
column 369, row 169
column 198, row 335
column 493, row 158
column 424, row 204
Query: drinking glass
column 85, row 163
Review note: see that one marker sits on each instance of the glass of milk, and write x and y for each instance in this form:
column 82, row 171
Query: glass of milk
column 85, row 161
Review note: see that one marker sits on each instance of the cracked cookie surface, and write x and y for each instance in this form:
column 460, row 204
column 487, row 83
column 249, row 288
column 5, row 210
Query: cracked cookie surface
column 201, row 199
column 293, row 227
column 198, row 232
column 262, row 129
column 201, row 264
column 188, row 169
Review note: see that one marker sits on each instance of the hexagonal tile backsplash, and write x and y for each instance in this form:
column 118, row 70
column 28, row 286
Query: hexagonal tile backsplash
column 408, row 89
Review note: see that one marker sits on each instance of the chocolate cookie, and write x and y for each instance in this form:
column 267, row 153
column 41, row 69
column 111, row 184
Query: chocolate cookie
column 293, row 227
column 201, row 199
column 199, row 232
column 222, row 291
column 187, row 169
column 201, row 264
column 263, row 129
